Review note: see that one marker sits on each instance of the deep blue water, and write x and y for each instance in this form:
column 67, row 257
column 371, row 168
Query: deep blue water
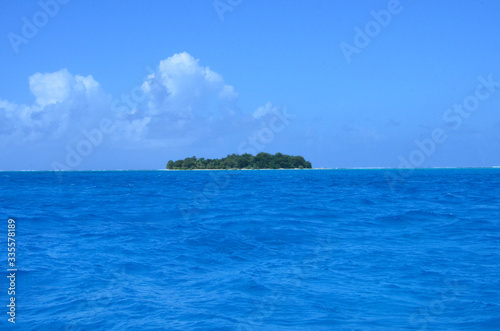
column 254, row 250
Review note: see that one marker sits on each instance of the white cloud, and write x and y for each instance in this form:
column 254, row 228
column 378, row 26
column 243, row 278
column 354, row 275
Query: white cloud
column 183, row 99
column 60, row 86
column 7, row 113
column 182, row 102
column 51, row 88
column 181, row 106
column 63, row 102
column 182, row 87
column 228, row 93
column 264, row 110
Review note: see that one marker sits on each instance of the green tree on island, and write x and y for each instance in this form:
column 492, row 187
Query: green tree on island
column 245, row 161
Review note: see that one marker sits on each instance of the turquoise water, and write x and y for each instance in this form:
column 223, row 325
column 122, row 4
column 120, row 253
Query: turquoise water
column 254, row 250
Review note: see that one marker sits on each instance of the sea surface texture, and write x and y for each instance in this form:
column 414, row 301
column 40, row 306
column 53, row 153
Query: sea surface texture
column 254, row 250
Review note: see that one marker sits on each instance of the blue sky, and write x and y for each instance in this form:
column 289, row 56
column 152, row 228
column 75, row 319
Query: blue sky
column 102, row 85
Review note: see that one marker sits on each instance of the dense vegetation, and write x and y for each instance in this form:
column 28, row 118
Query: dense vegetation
column 245, row 161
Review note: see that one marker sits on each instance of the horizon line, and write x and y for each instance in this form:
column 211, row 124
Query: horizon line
column 320, row 168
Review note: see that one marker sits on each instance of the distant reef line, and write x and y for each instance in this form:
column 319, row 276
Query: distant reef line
column 244, row 162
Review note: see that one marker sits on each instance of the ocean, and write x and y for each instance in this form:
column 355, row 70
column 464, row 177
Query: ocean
column 253, row 250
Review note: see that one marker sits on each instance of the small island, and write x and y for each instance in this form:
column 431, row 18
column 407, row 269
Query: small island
column 244, row 161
